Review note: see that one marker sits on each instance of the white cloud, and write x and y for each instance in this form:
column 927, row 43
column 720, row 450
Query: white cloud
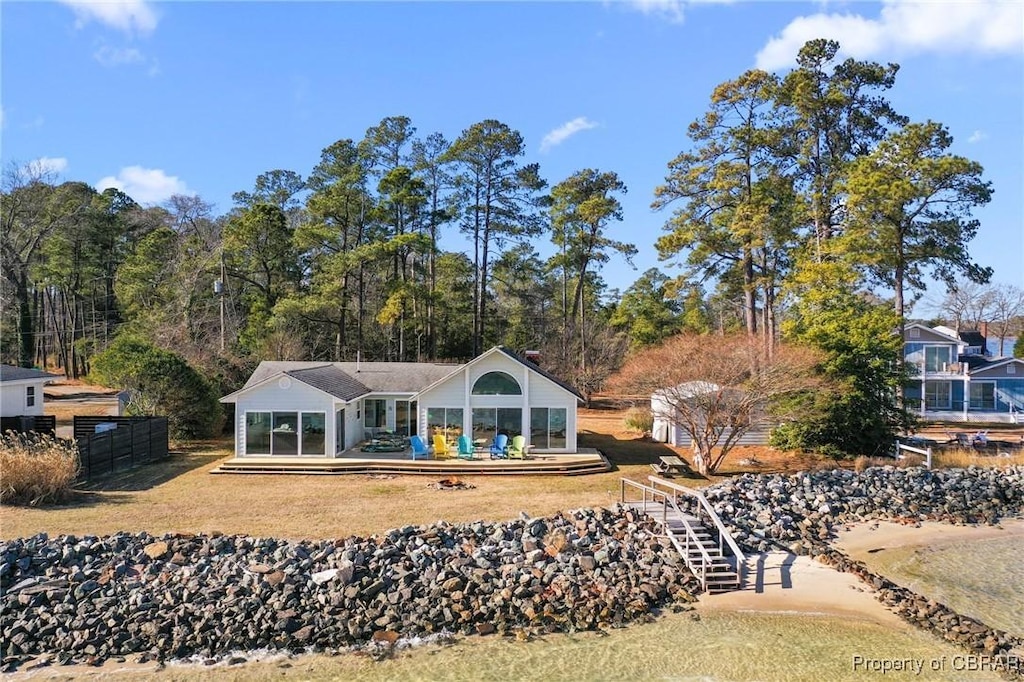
column 565, row 131
column 129, row 16
column 982, row 26
column 46, row 165
column 116, row 56
column 144, row 185
column 669, row 9
column 977, row 136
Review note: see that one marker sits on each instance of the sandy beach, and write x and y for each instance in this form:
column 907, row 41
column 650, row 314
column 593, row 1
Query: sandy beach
column 783, row 583
column 861, row 540
column 779, row 582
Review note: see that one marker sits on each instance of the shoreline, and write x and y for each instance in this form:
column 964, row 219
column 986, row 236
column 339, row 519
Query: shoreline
column 537, row 576
column 786, row 584
column 861, row 540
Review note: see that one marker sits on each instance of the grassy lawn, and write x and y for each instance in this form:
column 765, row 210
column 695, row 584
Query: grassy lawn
column 179, row 494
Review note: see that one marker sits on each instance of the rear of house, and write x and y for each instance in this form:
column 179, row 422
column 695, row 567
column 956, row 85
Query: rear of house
column 311, row 409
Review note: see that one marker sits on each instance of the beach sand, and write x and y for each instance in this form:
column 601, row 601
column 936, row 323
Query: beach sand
column 783, row 583
column 779, row 582
column 863, row 539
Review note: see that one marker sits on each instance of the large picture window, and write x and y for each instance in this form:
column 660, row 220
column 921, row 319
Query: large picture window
column 548, row 427
column 488, row 422
column 983, row 395
column 445, row 421
column 497, row 383
column 936, row 358
column 279, row 433
column 937, row 395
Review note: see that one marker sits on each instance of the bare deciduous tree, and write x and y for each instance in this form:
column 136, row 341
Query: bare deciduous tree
column 716, row 388
column 1007, row 311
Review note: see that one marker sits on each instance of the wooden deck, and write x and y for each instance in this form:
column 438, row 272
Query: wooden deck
column 584, row 461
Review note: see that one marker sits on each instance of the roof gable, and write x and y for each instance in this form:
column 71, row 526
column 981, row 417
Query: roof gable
column 1001, row 366
column 12, row 373
column 540, row 370
column 512, row 356
column 926, row 334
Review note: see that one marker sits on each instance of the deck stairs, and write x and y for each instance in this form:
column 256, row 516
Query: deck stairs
column 1014, row 400
column 701, row 539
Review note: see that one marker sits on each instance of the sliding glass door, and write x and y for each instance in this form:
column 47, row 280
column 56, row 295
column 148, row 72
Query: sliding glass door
column 488, row 422
column 548, row 427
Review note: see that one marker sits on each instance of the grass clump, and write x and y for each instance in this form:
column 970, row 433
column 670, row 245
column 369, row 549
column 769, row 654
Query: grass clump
column 36, row 469
column 639, row 419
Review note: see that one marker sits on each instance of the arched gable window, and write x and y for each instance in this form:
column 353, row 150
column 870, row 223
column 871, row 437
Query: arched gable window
column 497, row 383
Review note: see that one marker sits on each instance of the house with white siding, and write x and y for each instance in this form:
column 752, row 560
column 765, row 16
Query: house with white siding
column 321, row 409
column 21, row 391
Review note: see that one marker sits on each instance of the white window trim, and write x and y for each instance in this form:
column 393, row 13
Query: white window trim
column 30, row 396
column 298, row 431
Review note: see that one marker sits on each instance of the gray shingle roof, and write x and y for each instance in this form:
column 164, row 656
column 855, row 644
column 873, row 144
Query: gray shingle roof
column 378, row 377
column 330, row 379
column 12, row 373
column 397, row 377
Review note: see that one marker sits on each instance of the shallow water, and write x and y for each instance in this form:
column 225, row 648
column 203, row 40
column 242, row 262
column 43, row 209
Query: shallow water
column 983, row 579
column 719, row 646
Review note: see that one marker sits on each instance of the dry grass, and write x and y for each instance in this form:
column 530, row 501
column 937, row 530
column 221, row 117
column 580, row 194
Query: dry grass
column 960, row 457
column 36, row 470
column 179, row 495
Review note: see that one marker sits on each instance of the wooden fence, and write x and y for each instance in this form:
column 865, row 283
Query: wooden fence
column 136, row 440
column 42, row 423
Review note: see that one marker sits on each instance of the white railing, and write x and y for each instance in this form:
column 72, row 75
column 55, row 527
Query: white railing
column 724, row 536
column 927, row 452
column 664, row 500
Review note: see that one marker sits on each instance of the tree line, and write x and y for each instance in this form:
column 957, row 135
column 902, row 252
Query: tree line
column 796, row 198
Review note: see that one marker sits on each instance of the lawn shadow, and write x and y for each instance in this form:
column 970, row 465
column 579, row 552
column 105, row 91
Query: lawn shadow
column 146, row 476
column 638, row 450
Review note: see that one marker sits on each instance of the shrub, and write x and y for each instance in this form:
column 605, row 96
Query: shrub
column 160, row 382
column 639, row 419
column 36, row 469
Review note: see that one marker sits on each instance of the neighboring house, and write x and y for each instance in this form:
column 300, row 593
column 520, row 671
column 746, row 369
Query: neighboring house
column 952, row 380
column 21, row 391
column 321, row 409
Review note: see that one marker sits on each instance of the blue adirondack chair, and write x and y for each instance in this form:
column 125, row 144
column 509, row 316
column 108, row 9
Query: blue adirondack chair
column 466, row 450
column 419, row 448
column 499, row 448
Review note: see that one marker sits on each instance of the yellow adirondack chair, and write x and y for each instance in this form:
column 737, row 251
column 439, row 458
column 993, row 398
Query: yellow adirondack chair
column 441, row 449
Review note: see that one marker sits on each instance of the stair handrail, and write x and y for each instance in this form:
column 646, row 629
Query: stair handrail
column 741, row 559
column 1009, row 398
column 701, row 570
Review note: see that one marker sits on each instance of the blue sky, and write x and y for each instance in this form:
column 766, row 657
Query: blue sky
column 201, row 97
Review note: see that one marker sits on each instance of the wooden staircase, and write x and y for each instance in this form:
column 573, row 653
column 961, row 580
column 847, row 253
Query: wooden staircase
column 701, row 540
